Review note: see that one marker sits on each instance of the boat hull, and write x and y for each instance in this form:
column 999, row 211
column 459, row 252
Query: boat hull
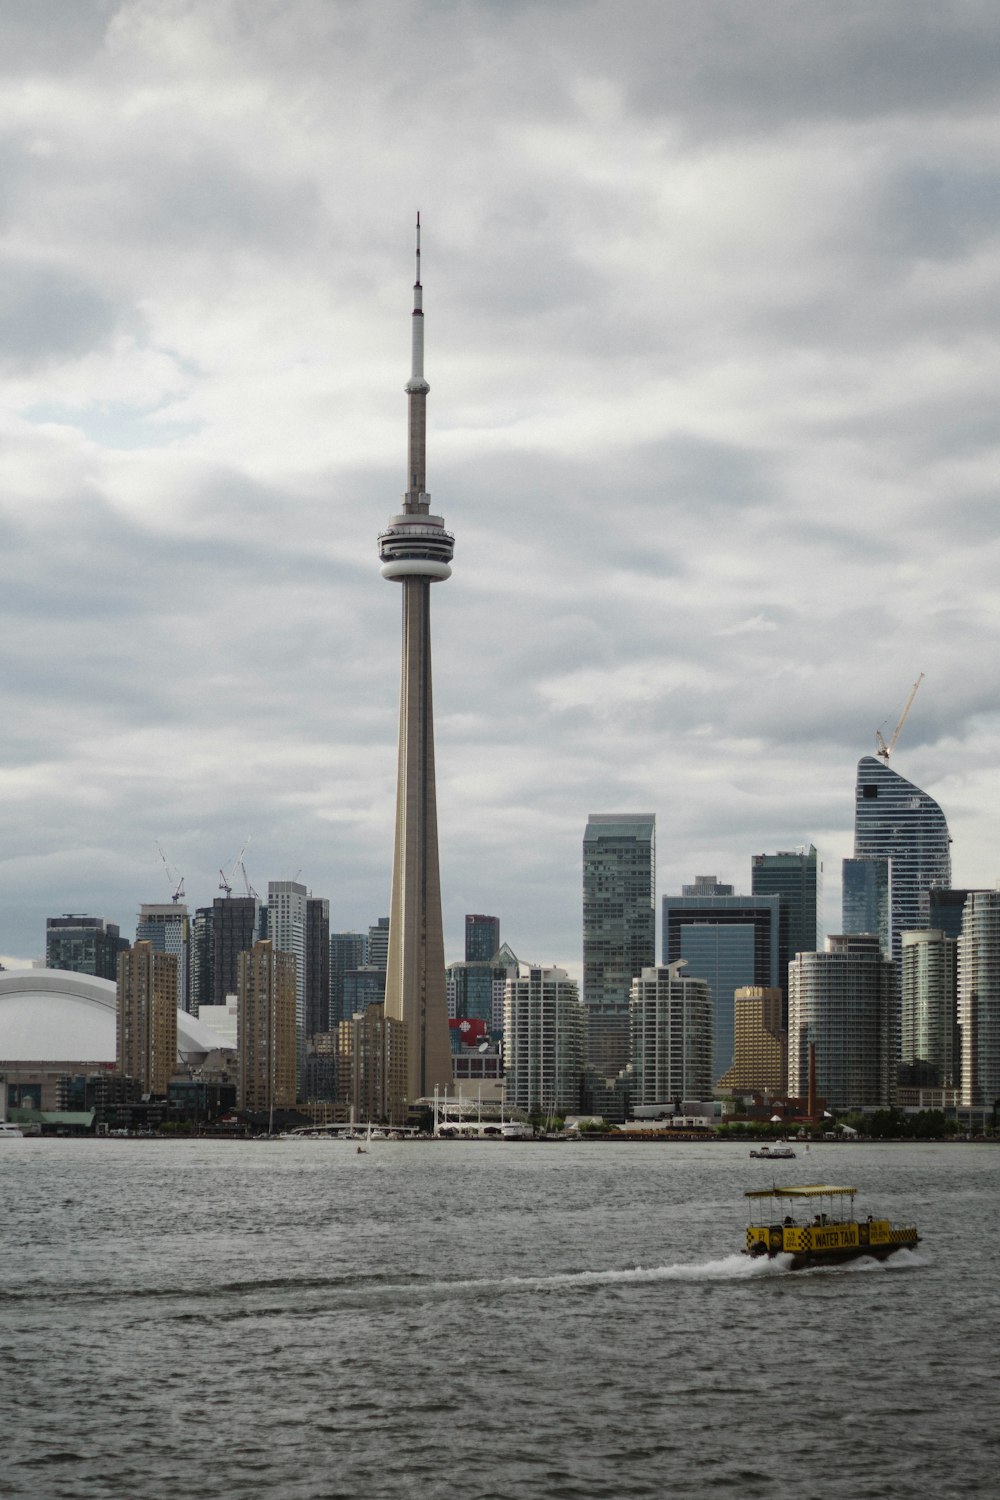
column 830, row 1243
column 806, row 1262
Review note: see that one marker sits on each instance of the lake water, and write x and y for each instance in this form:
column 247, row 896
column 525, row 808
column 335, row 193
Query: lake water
column 291, row 1320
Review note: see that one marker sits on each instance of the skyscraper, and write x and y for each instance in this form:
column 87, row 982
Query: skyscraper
column 266, row 1027
column 147, row 1016
column 842, row 1000
column 202, row 937
column 796, row 877
column 83, row 945
column 166, row 926
column 371, row 1048
column 671, row 1026
column 482, row 938
column 731, row 941
column 895, row 820
column 472, row 990
column 619, row 928
column 979, row 998
column 946, row 908
column 377, row 946
column 348, row 950
column 866, row 898
column 286, row 928
column 760, row 1061
column 317, row 965
column 544, row 1035
column 928, row 1051
column 236, row 922
column 416, row 551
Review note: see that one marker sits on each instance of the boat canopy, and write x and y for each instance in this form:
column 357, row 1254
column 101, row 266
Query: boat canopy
column 816, row 1190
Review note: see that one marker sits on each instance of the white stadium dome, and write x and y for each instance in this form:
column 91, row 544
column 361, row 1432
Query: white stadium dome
column 52, row 1015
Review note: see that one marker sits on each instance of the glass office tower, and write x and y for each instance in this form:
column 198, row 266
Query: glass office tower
column 730, row 941
column 795, row 876
column 895, row 820
column 619, row 928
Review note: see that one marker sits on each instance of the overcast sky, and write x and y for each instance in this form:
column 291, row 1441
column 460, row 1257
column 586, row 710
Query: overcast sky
column 711, row 295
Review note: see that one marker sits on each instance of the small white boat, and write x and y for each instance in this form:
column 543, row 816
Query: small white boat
column 10, row 1132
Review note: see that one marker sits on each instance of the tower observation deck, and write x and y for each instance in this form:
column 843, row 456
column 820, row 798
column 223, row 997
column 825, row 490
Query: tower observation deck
column 416, row 551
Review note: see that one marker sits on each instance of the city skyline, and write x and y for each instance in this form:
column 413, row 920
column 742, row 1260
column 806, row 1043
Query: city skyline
column 714, row 351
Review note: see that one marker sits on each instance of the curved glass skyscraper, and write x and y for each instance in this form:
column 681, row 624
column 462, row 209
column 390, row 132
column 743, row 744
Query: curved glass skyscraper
column 895, row 820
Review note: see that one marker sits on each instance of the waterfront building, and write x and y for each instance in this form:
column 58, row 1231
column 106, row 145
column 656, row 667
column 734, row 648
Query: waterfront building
column 201, row 958
column 979, row 999
column 372, row 1049
column 928, row 1055
column 619, row 928
column 795, row 876
column 266, row 998
column 236, row 926
column 671, row 1036
column 317, row 978
column 843, row 1001
column 167, row 927
column 731, row 941
column 866, row 898
column 348, row 950
column 416, row 551
column 482, row 938
column 147, row 1016
column 896, row 820
column 544, row 1041
column 83, row 945
column 760, row 1043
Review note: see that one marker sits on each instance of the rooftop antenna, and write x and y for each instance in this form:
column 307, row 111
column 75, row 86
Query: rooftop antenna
column 882, row 748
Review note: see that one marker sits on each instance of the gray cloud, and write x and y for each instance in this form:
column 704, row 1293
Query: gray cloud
column 710, row 338
column 47, row 313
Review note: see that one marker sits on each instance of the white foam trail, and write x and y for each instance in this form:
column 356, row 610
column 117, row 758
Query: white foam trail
column 730, row 1268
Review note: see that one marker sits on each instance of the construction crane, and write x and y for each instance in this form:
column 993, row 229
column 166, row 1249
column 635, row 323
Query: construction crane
column 882, row 748
column 226, row 881
column 246, row 881
column 177, row 881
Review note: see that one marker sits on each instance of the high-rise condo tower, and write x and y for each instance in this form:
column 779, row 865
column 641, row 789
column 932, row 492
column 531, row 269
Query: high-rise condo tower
column 416, row 551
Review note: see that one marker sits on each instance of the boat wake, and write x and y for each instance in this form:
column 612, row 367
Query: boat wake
column 729, row 1268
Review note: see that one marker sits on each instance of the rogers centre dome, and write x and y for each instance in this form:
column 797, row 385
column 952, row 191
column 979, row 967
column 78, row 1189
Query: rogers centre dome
column 54, row 1016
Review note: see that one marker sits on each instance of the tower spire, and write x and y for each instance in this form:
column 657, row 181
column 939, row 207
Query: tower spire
column 417, row 498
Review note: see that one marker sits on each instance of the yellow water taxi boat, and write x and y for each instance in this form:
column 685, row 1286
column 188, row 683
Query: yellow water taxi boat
column 816, row 1226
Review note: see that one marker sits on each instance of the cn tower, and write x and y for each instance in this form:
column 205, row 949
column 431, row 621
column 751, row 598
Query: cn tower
column 416, row 551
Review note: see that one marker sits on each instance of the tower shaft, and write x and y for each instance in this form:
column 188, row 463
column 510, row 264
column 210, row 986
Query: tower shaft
column 415, row 979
